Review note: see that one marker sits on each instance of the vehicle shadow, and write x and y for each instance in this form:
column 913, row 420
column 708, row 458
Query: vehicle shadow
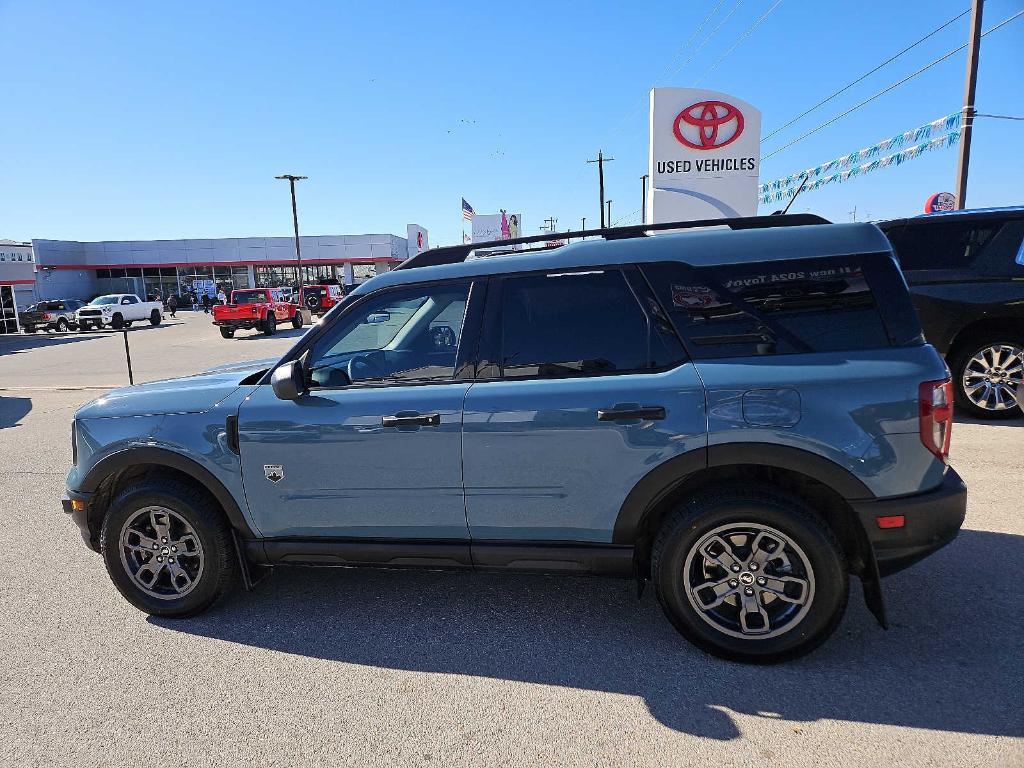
column 13, row 344
column 950, row 662
column 287, row 333
column 1015, row 422
column 13, row 410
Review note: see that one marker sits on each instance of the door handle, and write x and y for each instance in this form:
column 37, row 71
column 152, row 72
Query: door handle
column 412, row 420
column 647, row 412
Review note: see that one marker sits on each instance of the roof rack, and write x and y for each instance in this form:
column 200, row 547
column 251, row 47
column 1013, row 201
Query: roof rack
column 455, row 254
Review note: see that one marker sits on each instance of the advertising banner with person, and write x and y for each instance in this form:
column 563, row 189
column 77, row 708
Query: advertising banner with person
column 705, row 153
column 497, row 226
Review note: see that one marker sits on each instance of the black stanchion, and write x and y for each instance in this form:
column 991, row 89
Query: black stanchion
column 128, row 357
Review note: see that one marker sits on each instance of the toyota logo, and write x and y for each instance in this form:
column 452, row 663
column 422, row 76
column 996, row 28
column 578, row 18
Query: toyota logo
column 717, row 124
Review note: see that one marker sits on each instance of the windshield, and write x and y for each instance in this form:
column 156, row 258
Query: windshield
column 106, row 300
column 248, row 297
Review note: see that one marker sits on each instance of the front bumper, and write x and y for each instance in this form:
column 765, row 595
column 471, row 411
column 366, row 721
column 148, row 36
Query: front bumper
column 932, row 520
column 80, row 516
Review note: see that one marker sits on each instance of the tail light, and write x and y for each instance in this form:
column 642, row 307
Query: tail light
column 935, row 407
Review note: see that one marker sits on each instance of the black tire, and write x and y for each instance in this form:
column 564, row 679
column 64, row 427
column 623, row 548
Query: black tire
column 117, row 321
column 62, row 325
column 297, row 320
column 30, row 329
column 313, row 302
column 958, row 363
column 219, row 563
column 270, row 324
column 227, row 333
column 154, row 317
column 699, row 517
column 83, row 327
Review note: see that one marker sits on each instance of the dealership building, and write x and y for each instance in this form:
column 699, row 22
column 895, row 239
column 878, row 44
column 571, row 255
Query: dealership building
column 68, row 269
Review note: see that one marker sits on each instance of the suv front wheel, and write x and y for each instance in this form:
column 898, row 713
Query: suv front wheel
column 988, row 376
column 750, row 575
column 167, row 548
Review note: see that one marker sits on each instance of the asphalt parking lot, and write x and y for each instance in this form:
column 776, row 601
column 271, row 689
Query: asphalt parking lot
column 334, row 667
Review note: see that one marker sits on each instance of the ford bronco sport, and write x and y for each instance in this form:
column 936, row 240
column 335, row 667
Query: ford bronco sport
column 743, row 418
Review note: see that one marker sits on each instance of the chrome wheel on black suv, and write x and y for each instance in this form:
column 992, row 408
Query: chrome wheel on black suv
column 989, row 377
column 751, row 576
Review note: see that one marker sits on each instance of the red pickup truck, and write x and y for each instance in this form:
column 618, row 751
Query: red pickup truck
column 261, row 308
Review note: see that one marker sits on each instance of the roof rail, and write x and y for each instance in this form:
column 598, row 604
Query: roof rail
column 454, row 254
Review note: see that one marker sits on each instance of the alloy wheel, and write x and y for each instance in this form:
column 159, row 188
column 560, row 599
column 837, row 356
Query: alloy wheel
column 161, row 553
column 993, row 376
column 749, row 580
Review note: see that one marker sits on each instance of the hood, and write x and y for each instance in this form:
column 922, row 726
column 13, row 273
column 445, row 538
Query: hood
column 190, row 394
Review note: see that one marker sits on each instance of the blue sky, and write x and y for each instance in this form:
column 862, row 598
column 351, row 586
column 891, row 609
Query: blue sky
column 142, row 120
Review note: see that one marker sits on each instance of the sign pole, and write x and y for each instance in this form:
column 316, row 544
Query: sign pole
column 970, row 86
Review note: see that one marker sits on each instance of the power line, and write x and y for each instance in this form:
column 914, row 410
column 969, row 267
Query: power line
column 863, row 77
column 884, row 91
column 669, row 72
column 706, row 39
column 999, row 117
column 750, row 30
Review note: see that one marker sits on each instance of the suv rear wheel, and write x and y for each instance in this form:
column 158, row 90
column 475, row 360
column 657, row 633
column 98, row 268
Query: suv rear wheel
column 226, row 332
column 167, row 548
column 750, row 575
column 987, row 375
column 297, row 320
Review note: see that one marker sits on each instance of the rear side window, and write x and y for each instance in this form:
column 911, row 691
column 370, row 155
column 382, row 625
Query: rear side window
column 782, row 307
column 578, row 323
column 938, row 244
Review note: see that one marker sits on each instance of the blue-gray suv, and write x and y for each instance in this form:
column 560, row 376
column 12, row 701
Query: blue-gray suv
column 743, row 417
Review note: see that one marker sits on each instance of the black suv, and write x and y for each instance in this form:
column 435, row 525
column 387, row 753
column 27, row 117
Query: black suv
column 966, row 275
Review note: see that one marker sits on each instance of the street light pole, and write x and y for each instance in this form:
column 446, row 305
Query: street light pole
column 643, row 199
column 295, row 221
column 609, row 203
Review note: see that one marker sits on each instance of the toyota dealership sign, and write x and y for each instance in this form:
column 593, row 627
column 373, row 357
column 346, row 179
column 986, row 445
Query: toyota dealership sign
column 705, row 149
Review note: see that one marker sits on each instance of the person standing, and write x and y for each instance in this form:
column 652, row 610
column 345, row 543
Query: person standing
column 206, row 303
column 222, row 297
column 172, row 304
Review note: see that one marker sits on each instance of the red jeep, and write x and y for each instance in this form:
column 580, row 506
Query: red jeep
column 261, row 308
column 320, row 298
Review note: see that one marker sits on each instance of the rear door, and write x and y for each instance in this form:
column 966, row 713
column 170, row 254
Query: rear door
column 582, row 389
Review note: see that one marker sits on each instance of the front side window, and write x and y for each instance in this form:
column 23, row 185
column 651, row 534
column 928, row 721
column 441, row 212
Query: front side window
column 410, row 334
column 577, row 323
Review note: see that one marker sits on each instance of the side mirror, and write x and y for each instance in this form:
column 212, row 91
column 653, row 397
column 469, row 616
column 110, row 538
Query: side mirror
column 289, row 381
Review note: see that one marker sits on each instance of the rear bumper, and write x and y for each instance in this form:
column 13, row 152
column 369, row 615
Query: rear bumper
column 933, row 519
column 249, row 322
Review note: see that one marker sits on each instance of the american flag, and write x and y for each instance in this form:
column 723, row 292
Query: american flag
column 467, row 210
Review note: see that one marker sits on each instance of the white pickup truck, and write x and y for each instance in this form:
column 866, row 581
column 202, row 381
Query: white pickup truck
column 118, row 310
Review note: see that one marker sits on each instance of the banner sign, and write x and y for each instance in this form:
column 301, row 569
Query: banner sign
column 940, row 127
column 497, row 226
column 899, row 158
column 704, row 153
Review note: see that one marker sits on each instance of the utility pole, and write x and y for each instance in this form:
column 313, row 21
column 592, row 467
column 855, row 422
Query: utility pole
column 295, row 220
column 643, row 199
column 609, row 213
column 550, row 221
column 970, row 85
column 853, row 214
column 601, row 160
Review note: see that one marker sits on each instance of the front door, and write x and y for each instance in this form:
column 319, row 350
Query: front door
column 374, row 448
column 588, row 392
